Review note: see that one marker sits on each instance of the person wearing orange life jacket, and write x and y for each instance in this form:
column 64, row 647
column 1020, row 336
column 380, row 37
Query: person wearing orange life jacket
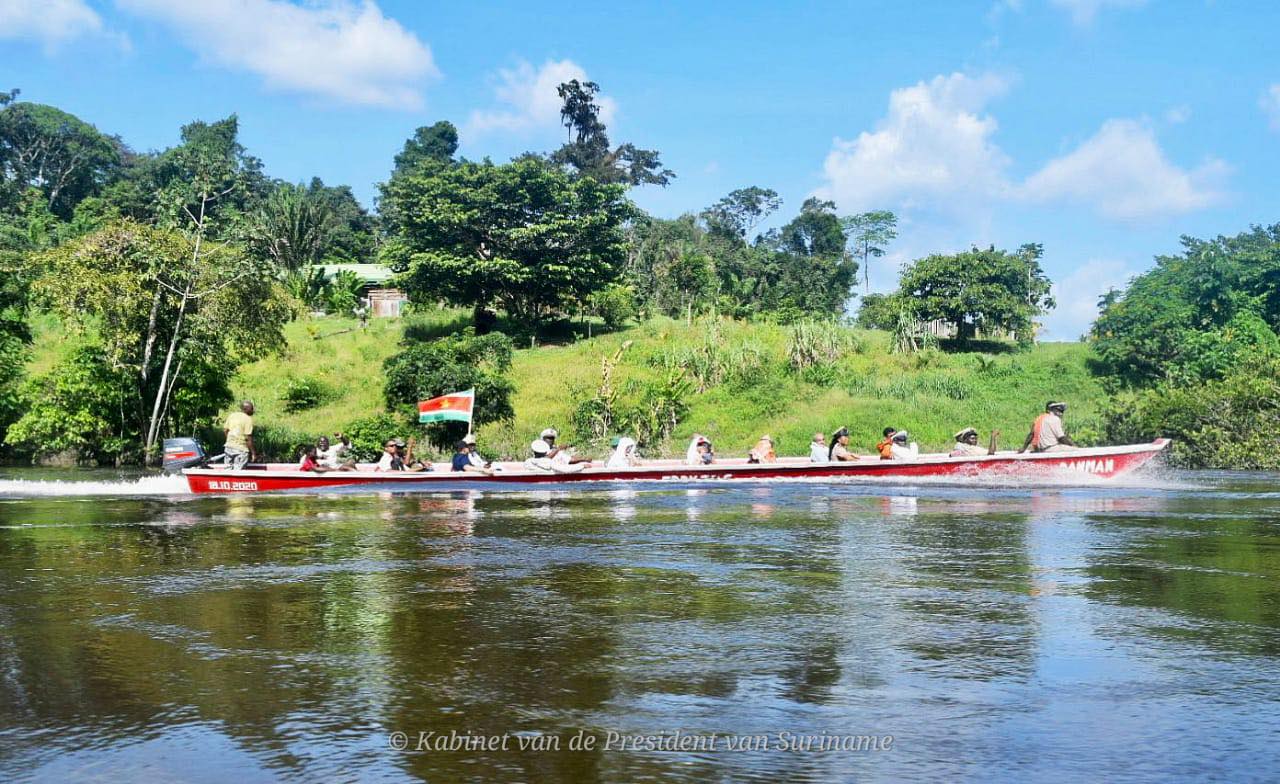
column 885, row 446
column 1047, row 433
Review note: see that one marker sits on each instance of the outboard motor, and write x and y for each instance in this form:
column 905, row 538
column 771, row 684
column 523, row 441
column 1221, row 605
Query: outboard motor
column 180, row 453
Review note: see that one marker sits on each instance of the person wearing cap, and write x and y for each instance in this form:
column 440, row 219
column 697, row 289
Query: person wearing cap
column 818, row 452
column 560, row 454
column 901, row 450
column 1047, row 433
column 884, row 447
column 839, row 450
column 967, row 444
column 473, row 453
column 763, row 451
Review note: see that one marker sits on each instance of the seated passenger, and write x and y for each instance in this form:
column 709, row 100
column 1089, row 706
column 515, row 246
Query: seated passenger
column 390, row 460
column 309, row 462
column 763, row 452
column 334, row 458
column 542, row 461
column 408, row 460
column 624, row 454
column 900, row 450
column 818, row 452
column 706, row 453
column 839, row 451
column 884, row 447
column 474, row 453
column 462, row 459
column 691, row 455
column 967, row 444
column 564, row 454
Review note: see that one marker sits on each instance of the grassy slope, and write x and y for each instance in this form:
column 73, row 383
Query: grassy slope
column 931, row 394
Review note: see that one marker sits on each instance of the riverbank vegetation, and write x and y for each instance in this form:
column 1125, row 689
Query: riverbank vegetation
column 141, row 293
column 741, row 380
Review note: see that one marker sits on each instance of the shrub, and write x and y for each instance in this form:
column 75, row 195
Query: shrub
column 1227, row 423
column 300, row 394
column 615, row 303
column 426, row 370
column 368, row 434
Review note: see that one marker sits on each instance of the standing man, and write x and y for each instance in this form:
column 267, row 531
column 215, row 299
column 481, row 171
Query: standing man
column 1047, row 434
column 238, row 431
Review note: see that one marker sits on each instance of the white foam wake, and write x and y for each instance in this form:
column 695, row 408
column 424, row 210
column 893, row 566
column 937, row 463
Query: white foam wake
column 163, row 484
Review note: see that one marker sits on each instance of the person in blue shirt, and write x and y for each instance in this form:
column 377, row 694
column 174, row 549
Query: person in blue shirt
column 462, row 459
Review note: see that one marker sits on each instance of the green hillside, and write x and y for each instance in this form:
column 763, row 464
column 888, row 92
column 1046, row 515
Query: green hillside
column 931, row 394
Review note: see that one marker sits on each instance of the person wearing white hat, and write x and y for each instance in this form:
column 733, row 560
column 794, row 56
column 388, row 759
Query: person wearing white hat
column 542, row 460
column 560, row 455
column 967, row 444
column 901, row 450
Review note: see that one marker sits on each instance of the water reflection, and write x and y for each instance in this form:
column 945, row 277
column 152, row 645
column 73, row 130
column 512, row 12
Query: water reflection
column 991, row 630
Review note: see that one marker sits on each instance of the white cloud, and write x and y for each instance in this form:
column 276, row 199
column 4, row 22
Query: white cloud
column 333, row 48
column 934, row 148
column 1083, row 11
column 1177, row 115
column 1270, row 104
column 51, row 22
column 530, row 101
column 1077, row 296
column 1123, row 173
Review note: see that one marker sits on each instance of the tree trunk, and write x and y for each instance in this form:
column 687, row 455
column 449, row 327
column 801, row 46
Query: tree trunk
column 162, row 392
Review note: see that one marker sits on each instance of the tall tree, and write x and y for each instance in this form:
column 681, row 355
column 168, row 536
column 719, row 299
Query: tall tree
column 589, row 152
column 431, row 143
column 176, row 312
column 986, row 291
column 737, row 214
column 869, row 234
column 1152, row 326
column 522, row 236
column 47, row 148
column 816, row 231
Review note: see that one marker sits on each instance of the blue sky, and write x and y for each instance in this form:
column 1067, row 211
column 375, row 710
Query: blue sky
column 1104, row 129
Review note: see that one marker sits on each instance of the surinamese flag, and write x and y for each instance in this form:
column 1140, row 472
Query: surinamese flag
column 448, row 408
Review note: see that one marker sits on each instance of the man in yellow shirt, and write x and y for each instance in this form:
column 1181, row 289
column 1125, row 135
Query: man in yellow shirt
column 239, row 433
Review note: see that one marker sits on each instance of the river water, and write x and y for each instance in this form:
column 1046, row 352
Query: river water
column 780, row 631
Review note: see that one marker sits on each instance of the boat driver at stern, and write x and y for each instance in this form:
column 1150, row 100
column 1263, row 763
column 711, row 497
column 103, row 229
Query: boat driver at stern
column 1047, row 433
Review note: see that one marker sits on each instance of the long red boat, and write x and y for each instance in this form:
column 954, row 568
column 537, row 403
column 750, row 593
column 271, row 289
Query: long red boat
column 1059, row 467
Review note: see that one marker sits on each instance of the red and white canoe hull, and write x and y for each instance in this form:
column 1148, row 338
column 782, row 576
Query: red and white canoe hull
column 1082, row 464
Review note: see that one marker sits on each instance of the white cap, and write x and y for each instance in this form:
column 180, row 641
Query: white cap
column 469, row 438
column 548, row 433
column 901, row 435
column 540, row 447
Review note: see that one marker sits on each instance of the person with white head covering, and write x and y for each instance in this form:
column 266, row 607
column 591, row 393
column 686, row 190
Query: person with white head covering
column 693, row 455
column 901, row 450
column 624, row 454
column 967, row 444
